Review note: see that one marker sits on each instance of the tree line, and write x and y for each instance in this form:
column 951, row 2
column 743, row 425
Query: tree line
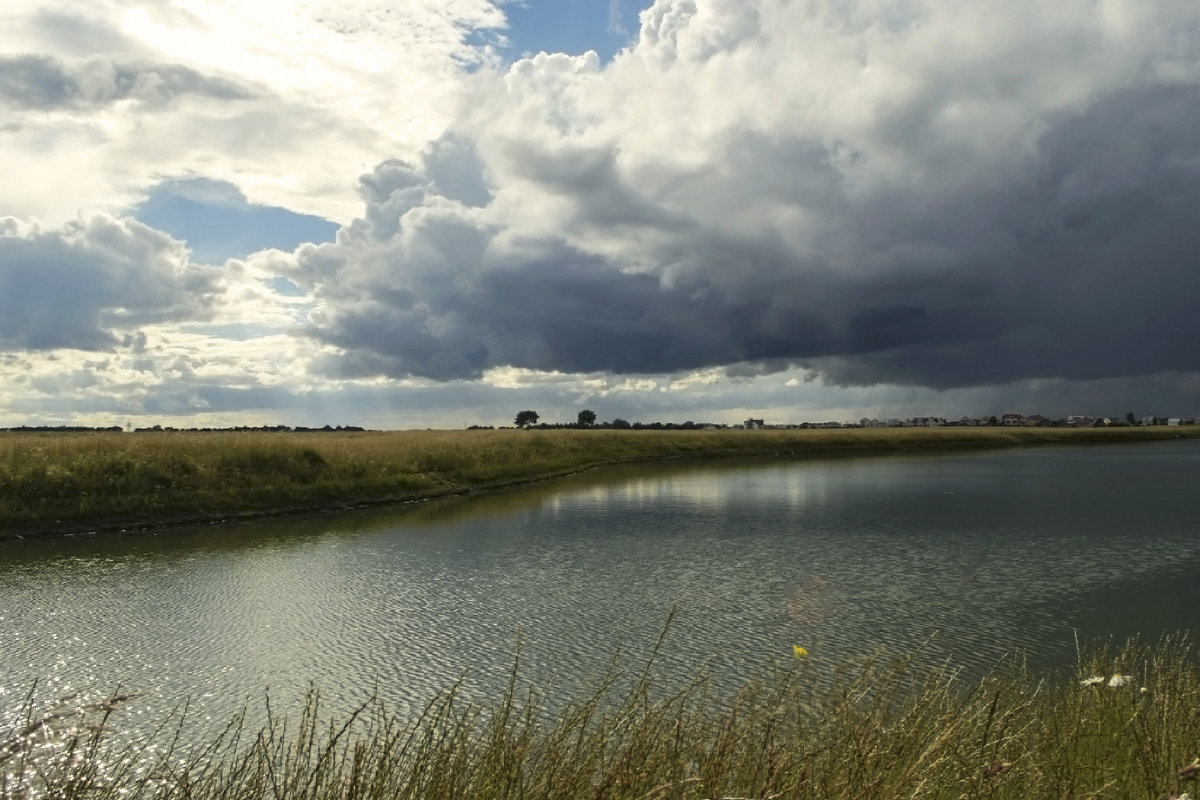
column 587, row 419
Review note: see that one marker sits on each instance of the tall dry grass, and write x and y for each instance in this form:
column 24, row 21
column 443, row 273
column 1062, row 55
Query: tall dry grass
column 877, row 730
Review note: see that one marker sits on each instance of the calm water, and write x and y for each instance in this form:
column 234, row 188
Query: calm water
column 964, row 558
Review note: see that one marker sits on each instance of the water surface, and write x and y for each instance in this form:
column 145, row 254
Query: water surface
column 964, row 558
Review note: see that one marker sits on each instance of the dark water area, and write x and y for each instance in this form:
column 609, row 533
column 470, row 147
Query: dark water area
column 964, row 559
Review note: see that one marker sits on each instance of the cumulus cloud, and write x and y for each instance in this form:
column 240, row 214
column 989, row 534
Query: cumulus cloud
column 914, row 194
column 92, row 284
column 288, row 101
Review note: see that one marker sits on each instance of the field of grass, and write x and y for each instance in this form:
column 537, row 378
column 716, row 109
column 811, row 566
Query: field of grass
column 81, row 481
column 1128, row 726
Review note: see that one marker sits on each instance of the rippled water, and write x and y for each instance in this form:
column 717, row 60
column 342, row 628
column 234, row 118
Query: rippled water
column 963, row 558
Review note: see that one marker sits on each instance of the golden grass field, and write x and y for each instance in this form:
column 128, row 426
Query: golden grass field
column 93, row 480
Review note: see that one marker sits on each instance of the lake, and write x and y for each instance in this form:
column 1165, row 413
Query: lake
column 965, row 559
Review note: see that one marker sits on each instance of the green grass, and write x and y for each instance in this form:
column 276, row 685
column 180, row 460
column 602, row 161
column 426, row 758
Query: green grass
column 877, row 729
column 62, row 481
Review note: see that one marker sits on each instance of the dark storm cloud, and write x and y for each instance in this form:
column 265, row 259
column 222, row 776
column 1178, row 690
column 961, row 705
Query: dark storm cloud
column 1099, row 277
column 89, row 284
column 44, row 83
column 1081, row 266
column 587, row 180
column 419, row 286
column 561, row 308
column 966, row 264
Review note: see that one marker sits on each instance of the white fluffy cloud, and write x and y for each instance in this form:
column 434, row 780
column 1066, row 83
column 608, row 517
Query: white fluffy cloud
column 287, row 100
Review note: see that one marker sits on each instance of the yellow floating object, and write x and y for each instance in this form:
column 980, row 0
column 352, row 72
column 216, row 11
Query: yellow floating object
column 799, row 652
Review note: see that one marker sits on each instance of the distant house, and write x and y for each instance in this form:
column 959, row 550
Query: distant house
column 753, row 425
column 1036, row 421
column 1012, row 420
column 1080, row 421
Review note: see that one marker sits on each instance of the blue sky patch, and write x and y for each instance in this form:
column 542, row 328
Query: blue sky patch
column 572, row 26
column 218, row 223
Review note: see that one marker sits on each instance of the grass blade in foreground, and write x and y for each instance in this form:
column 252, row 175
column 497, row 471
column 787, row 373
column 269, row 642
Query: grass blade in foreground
column 1128, row 727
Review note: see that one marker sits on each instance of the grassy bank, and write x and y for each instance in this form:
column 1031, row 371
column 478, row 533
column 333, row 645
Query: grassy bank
column 1127, row 727
column 54, row 481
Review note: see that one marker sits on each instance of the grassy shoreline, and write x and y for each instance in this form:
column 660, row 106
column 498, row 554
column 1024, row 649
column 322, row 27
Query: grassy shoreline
column 1124, row 727
column 52, row 482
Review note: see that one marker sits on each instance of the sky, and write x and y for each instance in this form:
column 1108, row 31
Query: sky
column 437, row 213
